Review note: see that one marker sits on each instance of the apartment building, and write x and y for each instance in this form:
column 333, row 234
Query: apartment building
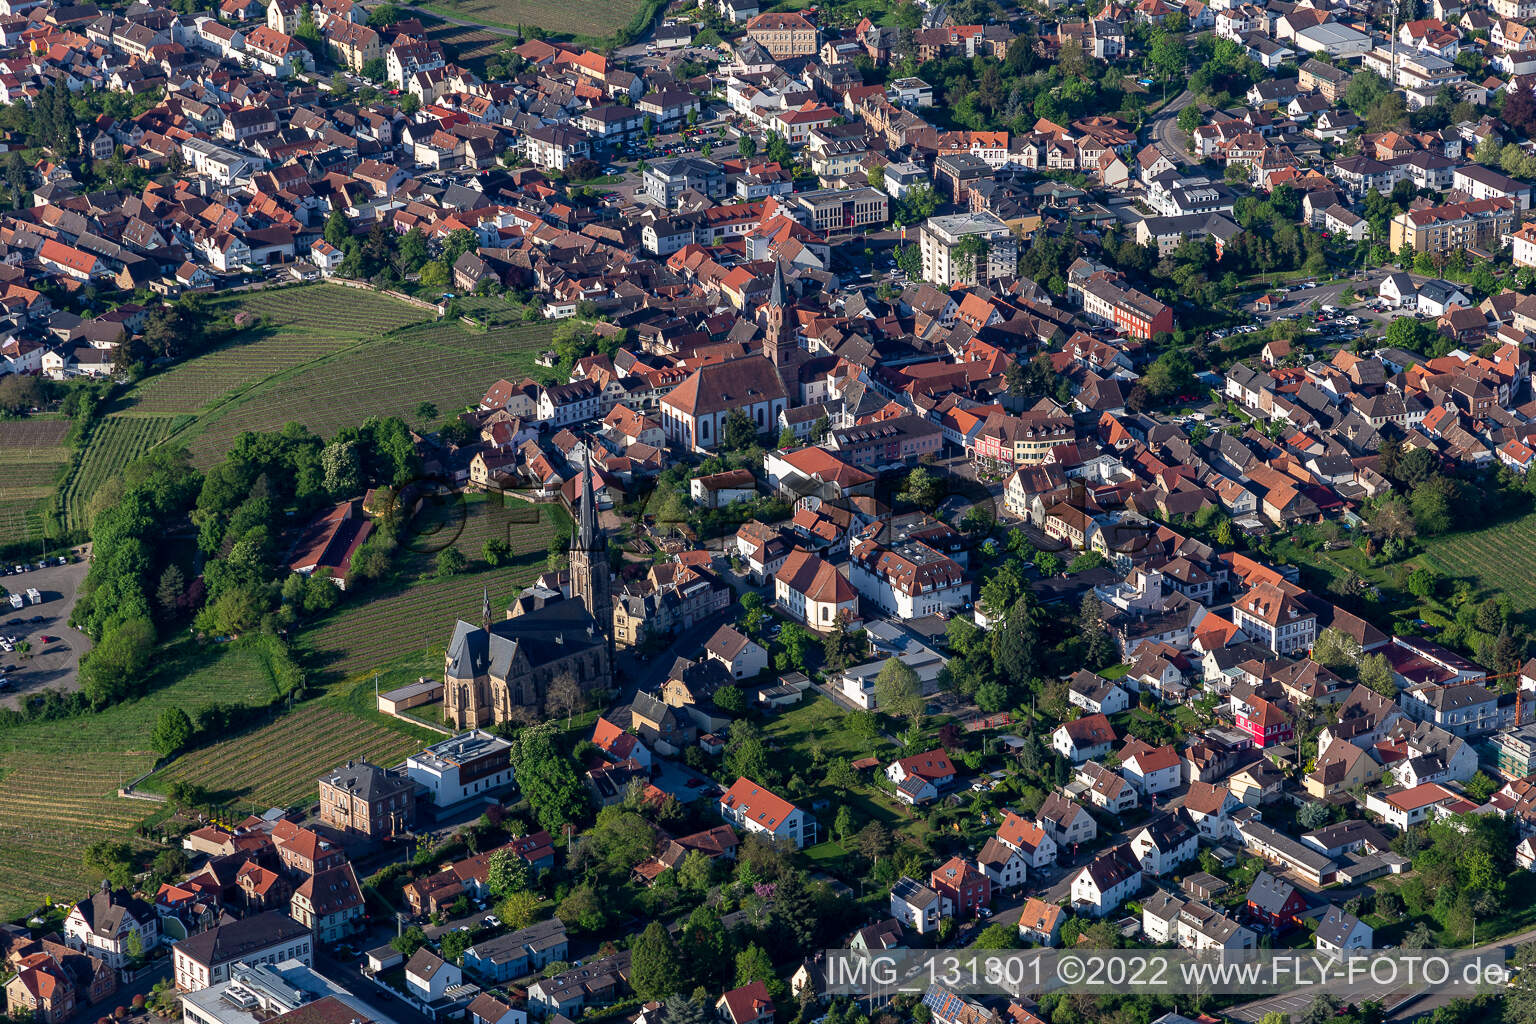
column 966, row 249
column 1440, row 230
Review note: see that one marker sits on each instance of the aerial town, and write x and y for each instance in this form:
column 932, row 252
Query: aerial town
column 515, row 511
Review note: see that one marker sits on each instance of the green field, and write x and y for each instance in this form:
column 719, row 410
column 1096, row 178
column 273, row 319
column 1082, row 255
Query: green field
column 1500, row 560
column 58, row 779
column 32, row 458
column 581, row 19
column 359, row 639
column 323, row 355
column 51, row 809
column 442, row 363
column 276, row 766
column 115, row 442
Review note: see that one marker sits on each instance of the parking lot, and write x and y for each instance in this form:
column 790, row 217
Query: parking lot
column 52, row 663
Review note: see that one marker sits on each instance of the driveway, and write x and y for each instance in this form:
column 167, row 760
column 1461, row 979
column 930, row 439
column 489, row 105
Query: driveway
column 54, row 664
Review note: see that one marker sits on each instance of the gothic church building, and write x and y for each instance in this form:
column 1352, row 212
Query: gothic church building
column 497, row 671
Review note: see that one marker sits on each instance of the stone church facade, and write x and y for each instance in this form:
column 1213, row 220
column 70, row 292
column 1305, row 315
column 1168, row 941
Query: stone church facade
column 499, row 671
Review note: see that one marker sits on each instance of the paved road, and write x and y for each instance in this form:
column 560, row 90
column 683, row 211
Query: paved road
column 349, row 975
column 1401, row 1005
column 1165, row 130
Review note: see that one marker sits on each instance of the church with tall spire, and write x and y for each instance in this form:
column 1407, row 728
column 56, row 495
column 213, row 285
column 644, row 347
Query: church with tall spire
column 496, row 671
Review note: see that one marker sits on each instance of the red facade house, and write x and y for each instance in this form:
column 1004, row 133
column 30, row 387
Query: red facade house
column 963, row 888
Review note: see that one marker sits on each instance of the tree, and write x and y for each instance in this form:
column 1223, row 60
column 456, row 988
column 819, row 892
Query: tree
column 20, row 392
column 1168, row 55
column 1189, row 119
column 898, row 691
column 654, row 970
column 738, row 433
column 565, row 694
column 496, row 551
column 746, row 146
column 1313, row 815
column 454, row 944
column 754, row 614
column 110, row 859
column 1336, row 650
column 997, row 936
column 518, row 909
column 873, row 841
column 1376, row 674
column 113, row 668
column 753, row 964
column 582, row 909
column 337, row 231
column 172, row 588
column 172, row 731
column 409, row 941
column 547, row 779
column 676, row 1009
column 730, row 699
column 342, row 466
column 450, row 562
column 922, row 489
column 505, row 874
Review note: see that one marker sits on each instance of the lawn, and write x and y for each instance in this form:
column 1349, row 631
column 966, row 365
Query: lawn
column 32, row 458
column 812, row 734
column 578, row 19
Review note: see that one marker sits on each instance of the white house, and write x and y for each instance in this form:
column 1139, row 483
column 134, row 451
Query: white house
column 1165, row 843
column 1398, row 291
column 1192, row 925
column 1004, row 865
column 1095, row 694
column 1153, row 770
column 1082, row 738
column 750, row 807
column 1338, row 933
column 921, row 777
column 1406, row 807
column 105, row 925
column 811, row 589
column 1106, row 790
column 428, row 976
column 462, row 767
column 1210, row 806
column 915, row 905
column 909, row 579
column 1066, row 822
column 1110, row 879
column 1029, row 838
column 744, row 657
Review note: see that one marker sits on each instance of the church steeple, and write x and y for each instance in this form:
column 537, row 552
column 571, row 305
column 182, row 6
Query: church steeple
column 587, row 529
column 485, row 611
column 590, row 582
column 779, row 344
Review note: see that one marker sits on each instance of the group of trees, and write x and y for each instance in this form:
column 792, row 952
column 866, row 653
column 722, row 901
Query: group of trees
column 385, row 259
column 116, row 605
